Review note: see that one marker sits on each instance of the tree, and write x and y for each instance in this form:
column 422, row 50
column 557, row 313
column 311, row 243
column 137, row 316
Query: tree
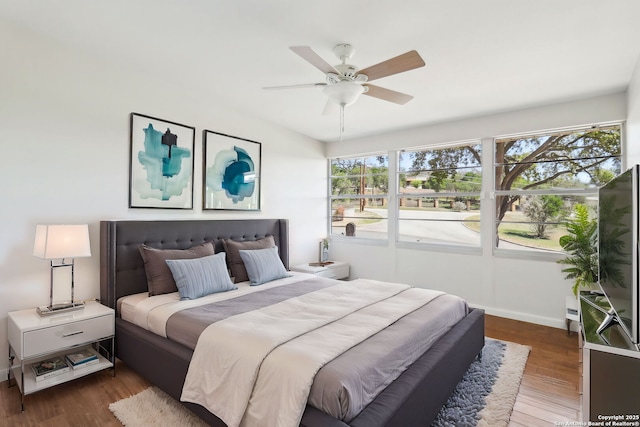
column 534, row 162
column 543, row 160
column 541, row 210
column 355, row 176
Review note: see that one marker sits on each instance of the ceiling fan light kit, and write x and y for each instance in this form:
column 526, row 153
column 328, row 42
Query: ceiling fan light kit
column 344, row 93
column 345, row 82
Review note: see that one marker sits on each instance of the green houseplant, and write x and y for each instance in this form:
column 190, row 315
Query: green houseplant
column 581, row 246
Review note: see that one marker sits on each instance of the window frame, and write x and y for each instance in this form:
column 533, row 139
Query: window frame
column 440, row 246
column 592, row 192
column 487, row 197
column 331, row 198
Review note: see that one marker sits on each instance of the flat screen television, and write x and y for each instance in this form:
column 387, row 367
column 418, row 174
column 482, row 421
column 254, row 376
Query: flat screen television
column 618, row 225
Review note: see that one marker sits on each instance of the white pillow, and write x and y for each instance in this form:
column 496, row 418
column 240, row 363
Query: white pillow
column 263, row 265
column 198, row 277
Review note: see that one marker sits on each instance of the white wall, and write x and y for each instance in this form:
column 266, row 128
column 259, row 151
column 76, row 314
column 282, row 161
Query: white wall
column 524, row 289
column 633, row 117
column 64, row 158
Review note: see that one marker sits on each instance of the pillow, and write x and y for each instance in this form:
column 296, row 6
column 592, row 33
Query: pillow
column 198, row 277
column 234, row 260
column 263, row 265
column 159, row 278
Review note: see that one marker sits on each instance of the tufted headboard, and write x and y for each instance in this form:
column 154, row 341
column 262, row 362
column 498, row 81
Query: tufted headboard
column 121, row 267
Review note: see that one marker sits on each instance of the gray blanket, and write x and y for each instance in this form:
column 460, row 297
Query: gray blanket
column 344, row 386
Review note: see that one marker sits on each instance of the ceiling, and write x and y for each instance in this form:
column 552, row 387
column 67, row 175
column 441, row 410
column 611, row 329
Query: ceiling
column 482, row 56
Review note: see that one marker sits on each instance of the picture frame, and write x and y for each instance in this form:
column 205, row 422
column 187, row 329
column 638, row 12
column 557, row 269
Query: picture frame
column 231, row 172
column 161, row 163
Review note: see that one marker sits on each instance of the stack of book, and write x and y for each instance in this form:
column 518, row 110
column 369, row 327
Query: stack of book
column 82, row 358
column 49, row 368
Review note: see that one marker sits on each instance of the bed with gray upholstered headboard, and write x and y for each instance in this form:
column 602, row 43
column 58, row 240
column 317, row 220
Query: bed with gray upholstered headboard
column 413, row 398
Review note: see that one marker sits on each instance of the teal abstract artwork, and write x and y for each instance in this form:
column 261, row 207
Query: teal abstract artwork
column 162, row 164
column 231, row 173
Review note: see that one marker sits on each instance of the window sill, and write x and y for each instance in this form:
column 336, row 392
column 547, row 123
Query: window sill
column 358, row 240
column 528, row 255
column 458, row 249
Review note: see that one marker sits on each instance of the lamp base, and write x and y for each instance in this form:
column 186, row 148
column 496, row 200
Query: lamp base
column 47, row 310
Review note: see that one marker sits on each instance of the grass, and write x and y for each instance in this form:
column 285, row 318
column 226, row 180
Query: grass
column 522, row 233
column 360, row 218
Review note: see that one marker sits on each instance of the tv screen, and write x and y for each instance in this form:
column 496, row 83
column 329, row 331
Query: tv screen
column 617, row 248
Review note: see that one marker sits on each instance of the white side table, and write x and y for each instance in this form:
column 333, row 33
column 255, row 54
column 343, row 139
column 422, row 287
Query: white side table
column 335, row 270
column 33, row 338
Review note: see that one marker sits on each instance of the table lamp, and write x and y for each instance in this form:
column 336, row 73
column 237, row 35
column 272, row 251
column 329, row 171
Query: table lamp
column 61, row 244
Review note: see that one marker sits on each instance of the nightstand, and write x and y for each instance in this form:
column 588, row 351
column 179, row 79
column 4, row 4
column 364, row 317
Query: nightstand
column 33, row 338
column 336, row 270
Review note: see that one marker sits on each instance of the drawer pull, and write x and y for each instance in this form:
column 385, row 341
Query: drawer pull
column 70, row 334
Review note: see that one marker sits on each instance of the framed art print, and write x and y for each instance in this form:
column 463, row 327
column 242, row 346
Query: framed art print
column 160, row 163
column 231, row 172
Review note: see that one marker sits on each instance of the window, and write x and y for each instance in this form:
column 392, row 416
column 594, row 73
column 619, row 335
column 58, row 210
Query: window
column 439, row 195
column 540, row 178
column 359, row 197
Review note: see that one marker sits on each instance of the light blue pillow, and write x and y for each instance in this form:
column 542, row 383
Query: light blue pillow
column 263, row 265
column 198, row 277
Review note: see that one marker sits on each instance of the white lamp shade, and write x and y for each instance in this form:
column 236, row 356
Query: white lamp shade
column 62, row 241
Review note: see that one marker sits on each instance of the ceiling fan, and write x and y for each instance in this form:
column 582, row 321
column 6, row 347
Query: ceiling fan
column 344, row 83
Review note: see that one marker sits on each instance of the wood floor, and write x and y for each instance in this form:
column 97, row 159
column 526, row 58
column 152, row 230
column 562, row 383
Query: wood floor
column 548, row 393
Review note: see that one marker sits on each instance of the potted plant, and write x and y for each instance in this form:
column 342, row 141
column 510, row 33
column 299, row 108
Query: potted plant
column 581, row 246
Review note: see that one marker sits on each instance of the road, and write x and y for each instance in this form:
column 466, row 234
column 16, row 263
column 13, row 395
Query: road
column 446, row 228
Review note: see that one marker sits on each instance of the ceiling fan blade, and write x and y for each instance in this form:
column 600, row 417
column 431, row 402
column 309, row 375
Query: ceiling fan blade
column 388, row 95
column 399, row 64
column 314, row 59
column 296, row 86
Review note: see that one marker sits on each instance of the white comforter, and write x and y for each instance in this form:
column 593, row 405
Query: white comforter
column 152, row 313
column 256, row 368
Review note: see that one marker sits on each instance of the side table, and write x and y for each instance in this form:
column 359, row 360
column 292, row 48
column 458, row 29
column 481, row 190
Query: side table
column 34, row 338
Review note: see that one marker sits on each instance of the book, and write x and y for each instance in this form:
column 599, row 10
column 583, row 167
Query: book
column 85, row 364
column 81, row 357
column 49, row 368
column 320, row 264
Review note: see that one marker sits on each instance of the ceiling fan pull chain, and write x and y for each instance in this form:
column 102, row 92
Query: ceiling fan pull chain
column 341, row 121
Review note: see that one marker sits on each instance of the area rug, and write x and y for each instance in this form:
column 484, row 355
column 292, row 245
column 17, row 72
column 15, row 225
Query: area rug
column 487, row 392
column 484, row 397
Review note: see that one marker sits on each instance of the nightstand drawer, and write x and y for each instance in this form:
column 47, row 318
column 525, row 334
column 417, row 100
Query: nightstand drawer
column 339, row 270
column 326, row 273
column 53, row 338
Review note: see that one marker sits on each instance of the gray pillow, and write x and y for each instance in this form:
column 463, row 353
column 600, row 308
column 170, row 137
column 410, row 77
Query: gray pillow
column 159, row 277
column 263, row 265
column 198, row 277
column 234, row 260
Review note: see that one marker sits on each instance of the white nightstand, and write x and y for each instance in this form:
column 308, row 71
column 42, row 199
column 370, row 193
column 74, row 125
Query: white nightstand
column 336, row 270
column 33, row 338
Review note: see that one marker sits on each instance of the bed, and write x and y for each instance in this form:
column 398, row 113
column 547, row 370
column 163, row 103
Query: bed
column 413, row 398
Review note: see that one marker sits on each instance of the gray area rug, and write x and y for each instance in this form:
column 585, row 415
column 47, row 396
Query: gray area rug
column 487, row 392
column 484, row 397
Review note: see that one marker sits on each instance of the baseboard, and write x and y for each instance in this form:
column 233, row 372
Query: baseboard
column 3, row 375
column 525, row 317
